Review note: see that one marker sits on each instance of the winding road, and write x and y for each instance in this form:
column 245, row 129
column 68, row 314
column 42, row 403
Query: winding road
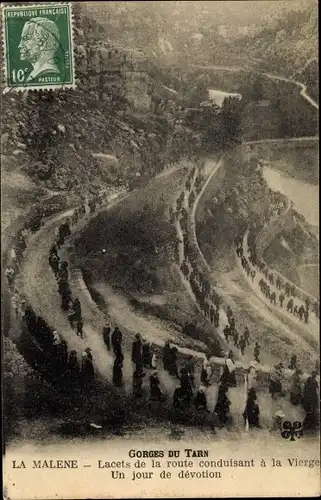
column 284, row 326
column 285, row 140
column 234, row 69
column 39, row 285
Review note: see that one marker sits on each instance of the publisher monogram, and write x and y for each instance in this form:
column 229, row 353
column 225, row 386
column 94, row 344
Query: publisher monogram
column 293, row 431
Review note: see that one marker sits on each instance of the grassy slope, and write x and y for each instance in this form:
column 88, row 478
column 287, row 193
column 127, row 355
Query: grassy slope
column 137, row 248
column 217, row 226
column 139, row 258
column 299, row 162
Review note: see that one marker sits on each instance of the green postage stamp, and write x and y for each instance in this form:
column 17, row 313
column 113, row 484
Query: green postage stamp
column 38, row 46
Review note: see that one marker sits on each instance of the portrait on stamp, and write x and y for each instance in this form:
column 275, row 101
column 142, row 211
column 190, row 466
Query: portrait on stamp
column 39, row 42
column 38, row 46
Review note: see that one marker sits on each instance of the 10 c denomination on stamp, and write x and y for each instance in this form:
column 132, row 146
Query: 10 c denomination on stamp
column 38, row 46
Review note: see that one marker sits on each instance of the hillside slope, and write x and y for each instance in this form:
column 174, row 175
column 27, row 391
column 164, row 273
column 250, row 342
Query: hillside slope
column 287, row 45
column 190, row 32
column 112, row 111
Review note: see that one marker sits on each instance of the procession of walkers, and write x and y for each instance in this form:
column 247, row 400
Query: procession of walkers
column 279, row 292
column 193, row 382
column 210, row 302
column 206, row 296
column 65, row 366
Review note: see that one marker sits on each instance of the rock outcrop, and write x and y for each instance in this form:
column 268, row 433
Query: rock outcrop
column 117, row 104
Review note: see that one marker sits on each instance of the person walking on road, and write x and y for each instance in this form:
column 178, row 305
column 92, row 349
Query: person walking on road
column 252, row 378
column 206, row 371
column 281, row 299
column 79, row 328
column 71, row 315
column 137, row 358
column 246, row 336
column 287, row 289
column 306, row 315
column 226, row 333
column 9, row 273
column 118, row 370
column 222, row 407
column 242, row 344
column 275, row 380
column 146, row 354
column 87, row 369
column 116, row 340
column 77, row 309
column 200, row 401
column 257, row 352
column 229, row 314
column 295, row 388
column 106, row 335
column 289, row 306
column 155, row 392
column 236, row 337
column 216, row 318
column 311, row 403
column 173, row 370
column 301, row 312
column 16, row 302
column 228, row 377
column 252, row 411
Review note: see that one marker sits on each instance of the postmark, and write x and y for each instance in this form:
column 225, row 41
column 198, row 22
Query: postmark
column 38, row 46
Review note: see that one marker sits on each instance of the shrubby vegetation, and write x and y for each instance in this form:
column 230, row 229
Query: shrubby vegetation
column 242, row 200
column 54, row 133
column 274, row 109
column 286, row 43
column 99, row 117
column 200, row 33
column 219, row 129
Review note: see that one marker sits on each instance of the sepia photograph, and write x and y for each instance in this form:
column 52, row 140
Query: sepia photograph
column 160, row 304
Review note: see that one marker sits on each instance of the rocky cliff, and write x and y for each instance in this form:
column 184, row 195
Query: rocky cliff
column 119, row 108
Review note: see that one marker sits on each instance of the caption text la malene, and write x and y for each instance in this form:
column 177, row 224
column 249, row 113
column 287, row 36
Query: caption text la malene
column 183, row 464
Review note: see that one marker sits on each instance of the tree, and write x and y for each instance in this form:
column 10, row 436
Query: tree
column 257, row 93
column 231, row 118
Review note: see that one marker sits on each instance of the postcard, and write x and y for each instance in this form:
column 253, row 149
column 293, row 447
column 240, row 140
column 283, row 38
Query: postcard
column 160, row 249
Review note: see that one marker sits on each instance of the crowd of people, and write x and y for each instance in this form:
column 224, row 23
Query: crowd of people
column 188, row 394
column 276, row 205
column 70, row 304
column 142, row 355
column 205, row 294
column 210, row 302
column 276, row 290
column 64, row 365
column 13, row 268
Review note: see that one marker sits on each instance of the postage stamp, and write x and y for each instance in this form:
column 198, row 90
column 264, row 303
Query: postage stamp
column 38, row 46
